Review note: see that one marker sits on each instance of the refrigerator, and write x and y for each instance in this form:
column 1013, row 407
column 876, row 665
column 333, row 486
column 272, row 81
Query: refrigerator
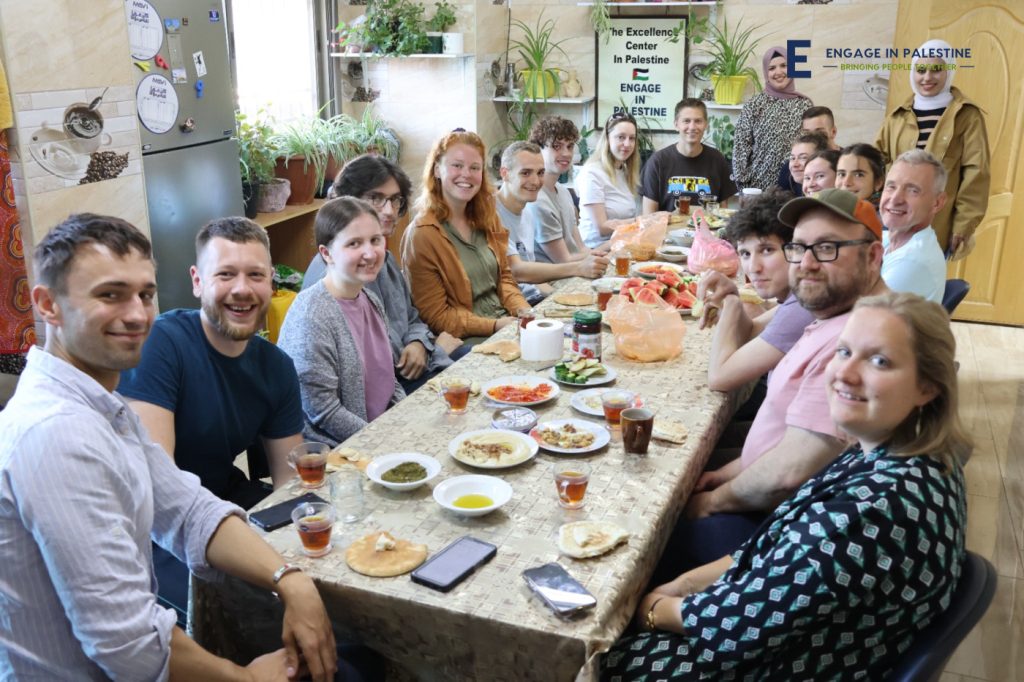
column 186, row 109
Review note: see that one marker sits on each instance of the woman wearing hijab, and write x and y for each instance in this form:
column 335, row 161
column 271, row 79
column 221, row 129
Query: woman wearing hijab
column 768, row 123
column 940, row 119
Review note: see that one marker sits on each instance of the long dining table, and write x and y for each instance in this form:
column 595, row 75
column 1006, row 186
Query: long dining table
column 490, row 626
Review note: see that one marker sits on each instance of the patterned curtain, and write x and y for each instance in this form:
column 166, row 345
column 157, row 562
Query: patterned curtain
column 17, row 333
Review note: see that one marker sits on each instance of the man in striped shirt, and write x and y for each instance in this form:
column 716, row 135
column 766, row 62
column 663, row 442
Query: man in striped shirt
column 83, row 489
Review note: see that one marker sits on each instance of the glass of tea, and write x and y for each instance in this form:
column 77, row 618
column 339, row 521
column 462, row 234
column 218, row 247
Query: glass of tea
column 604, row 294
column 683, row 205
column 314, row 521
column 571, row 479
column 613, row 403
column 526, row 316
column 456, row 393
column 637, row 425
column 621, row 258
column 310, row 461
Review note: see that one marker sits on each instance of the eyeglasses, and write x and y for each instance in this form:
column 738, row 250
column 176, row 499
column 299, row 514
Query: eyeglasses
column 378, row 201
column 824, row 252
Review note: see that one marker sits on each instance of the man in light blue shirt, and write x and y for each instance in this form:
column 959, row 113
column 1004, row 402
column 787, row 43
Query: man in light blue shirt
column 912, row 195
column 83, row 489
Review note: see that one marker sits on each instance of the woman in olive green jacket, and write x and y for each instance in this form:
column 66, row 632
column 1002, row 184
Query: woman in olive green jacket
column 939, row 119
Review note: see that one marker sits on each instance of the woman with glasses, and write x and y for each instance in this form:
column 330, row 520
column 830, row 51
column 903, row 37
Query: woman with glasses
column 454, row 251
column 768, row 122
column 608, row 183
column 861, row 170
column 940, row 119
column 336, row 332
column 417, row 354
column 842, row 577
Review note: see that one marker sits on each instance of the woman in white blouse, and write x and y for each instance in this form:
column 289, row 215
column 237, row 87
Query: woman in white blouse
column 608, row 181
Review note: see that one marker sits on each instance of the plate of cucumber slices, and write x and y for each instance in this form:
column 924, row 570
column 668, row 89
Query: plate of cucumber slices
column 579, row 371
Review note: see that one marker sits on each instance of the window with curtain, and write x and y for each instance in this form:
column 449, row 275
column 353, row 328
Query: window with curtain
column 275, row 57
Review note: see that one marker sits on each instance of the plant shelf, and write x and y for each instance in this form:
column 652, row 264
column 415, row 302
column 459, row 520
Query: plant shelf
column 372, row 55
column 549, row 100
column 716, row 105
column 706, row 3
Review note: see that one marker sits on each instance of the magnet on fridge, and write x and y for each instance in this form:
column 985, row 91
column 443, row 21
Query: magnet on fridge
column 172, row 25
column 214, row 15
column 199, row 89
column 184, row 21
column 143, row 66
column 161, row 62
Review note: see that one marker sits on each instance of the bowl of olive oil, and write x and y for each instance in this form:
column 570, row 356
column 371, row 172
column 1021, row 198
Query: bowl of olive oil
column 473, row 494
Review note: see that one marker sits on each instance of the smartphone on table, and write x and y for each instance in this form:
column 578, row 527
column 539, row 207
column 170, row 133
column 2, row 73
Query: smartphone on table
column 562, row 593
column 454, row 563
column 280, row 515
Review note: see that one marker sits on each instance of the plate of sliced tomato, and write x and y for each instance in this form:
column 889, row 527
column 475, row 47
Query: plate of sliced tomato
column 520, row 390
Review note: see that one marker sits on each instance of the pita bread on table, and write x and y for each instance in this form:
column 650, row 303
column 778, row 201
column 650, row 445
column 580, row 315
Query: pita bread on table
column 339, row 457
column 436, row 383
column 585, row 539
column 666, row 429
column 506, row 349
column 573, row 299
column 380, row 555
column 559, row 312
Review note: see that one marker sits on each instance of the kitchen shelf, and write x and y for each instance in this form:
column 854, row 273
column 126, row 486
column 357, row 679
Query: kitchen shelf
column 549, row 100
column 290, row 211
column 291, row 233
column 372, row 55
column 716, row 105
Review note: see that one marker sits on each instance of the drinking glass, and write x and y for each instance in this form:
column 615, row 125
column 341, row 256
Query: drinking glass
column 309, row 460
column 571, row 479
column 637, row 425
column 347, row 495
column 314, row 522
column 456, row 393
column 613, row 403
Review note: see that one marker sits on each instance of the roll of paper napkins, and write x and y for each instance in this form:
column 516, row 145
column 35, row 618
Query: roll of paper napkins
column 541, row 340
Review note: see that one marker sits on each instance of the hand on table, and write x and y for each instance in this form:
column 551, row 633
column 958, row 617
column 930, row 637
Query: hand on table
column 448, row 342
column 412, row 361
column 592, row 266
column 307, row 628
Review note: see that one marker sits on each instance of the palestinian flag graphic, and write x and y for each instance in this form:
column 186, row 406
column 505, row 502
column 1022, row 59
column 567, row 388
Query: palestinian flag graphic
column 640, row 74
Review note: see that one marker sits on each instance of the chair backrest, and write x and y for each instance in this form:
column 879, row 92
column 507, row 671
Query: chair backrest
column 956, row 290
column 927, row 656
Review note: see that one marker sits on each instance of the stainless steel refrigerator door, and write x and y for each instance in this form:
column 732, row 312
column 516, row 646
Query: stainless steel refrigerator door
column 186, row 188
column 197, row 42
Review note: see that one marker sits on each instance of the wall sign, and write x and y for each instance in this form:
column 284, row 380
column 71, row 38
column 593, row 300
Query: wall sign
column 640, row 69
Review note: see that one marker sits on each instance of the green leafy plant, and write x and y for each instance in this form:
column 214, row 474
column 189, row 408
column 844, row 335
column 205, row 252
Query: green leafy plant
column 601, row 18
column 303, row 137
column 582, row 145
column 444, row 16
column 338, row 136
column 721, row 132
column 395, row 28
column 535, row 48
column 371, row 134
column 730, row 49
column 256, row 151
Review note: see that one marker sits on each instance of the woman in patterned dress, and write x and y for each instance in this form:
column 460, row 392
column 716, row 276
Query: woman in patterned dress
column 768, row 122
column 838, row 581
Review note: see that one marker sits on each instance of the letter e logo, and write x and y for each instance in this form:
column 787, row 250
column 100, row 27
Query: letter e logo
column 792, row 58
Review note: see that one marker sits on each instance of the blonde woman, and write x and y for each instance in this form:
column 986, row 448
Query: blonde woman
column 608, row 183
column 842, row 577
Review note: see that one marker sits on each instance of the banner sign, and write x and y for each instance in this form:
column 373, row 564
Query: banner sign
column 639, row 70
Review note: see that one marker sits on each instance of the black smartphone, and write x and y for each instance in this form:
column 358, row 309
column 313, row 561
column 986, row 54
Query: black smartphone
column 451, row 565
column 560, row 591
column 280, row 514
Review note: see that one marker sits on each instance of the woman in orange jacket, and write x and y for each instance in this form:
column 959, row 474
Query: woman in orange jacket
column 454, row 251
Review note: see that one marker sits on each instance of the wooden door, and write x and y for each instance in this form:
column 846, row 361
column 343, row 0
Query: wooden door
column 994, row 30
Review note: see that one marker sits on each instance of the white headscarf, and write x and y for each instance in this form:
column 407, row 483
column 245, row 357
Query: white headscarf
column 941, row 100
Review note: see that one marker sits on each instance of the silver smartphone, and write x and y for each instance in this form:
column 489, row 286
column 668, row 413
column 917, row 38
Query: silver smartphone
column 560, row 591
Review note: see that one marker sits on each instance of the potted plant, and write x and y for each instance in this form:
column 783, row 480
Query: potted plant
column 395, row 28
column 261, row 190
column 372, row 135
column 721, row 132
column 338, row 135
column 601, row 18
column 300, row 140
column 535, row 47
column 444, row 17
column 729, row 52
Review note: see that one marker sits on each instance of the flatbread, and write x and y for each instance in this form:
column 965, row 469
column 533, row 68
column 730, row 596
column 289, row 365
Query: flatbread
column 492, row 449
column 339, row 457
column 585, row 539
column 577, row 299
column 666, row 429
column 559, row 312
column 506, row 349
column 364, row 557
column 749, row 295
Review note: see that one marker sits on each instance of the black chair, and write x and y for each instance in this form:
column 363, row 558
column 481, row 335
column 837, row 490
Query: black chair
column 956, row 290
column 927, row 656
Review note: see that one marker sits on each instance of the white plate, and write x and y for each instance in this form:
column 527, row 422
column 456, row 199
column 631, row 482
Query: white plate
column 682, row 236
column 531, row 447
column 379, row 465
column 635, row 270
column 451, row 489
column 600, row 380
column 580, row 400
column 522, row 379
column 614, row 282
column 601, row 435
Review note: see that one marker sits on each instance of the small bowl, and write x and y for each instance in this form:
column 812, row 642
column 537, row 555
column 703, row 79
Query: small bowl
column 520, row 419
column 449, row 490
column 683, row 236
column 674, row 254
column 379, row 465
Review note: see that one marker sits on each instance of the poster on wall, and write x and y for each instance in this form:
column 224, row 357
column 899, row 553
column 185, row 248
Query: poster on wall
column 640, row 71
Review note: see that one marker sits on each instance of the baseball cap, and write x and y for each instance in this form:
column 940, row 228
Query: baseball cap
column 844, row 204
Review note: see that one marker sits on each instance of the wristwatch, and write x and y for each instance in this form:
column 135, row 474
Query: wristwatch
column 283, row 571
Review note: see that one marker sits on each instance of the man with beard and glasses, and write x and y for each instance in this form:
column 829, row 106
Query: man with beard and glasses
column 208, row 388
column 835, row 258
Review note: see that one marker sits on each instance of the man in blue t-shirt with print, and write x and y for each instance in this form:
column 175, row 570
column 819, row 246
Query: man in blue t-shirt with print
column 208, row 388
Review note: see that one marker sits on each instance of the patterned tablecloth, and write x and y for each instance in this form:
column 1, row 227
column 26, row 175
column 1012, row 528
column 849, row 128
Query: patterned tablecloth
column 490, row 627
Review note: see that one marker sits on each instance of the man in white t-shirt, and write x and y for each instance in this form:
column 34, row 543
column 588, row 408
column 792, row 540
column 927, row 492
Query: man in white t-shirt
column 912, row 196
column 522, row 175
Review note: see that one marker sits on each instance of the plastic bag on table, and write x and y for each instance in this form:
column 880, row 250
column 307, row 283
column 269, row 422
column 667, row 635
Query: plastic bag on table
column 648, row 330
column 647, row 230
column 709, row 252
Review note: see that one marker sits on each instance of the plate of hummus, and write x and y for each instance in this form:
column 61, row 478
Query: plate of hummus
column 492, row 448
